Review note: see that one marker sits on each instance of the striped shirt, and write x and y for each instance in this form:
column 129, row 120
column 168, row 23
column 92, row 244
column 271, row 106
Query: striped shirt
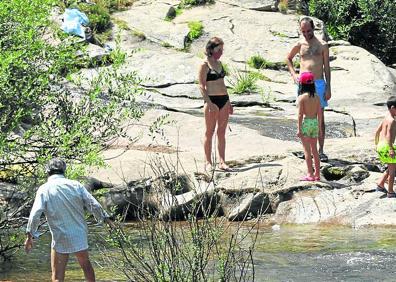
column 63, row 201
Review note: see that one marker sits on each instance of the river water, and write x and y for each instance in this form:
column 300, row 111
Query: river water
column 282, row 253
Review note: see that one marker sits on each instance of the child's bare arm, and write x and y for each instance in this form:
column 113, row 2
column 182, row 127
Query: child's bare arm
column 300, row 115
column 391, row 138
column 377, row 133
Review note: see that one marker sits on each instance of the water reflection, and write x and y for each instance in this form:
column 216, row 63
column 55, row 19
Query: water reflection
column 290, row 253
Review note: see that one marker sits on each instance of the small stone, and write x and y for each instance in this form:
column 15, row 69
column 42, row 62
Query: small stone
column 171, row 14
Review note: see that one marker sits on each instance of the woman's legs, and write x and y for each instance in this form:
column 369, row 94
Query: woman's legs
column 210, row 125
column 314, row 149
column 58, row 265
column 222, row 123
column 307, row 154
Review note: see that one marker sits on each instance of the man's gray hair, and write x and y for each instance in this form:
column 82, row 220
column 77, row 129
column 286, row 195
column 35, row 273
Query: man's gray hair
column 55, row 166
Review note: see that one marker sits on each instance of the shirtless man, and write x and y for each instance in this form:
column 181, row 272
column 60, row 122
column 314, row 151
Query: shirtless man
column 314, row 57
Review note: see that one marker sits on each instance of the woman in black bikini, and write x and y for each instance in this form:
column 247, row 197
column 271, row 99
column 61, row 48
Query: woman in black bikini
column 217, row 106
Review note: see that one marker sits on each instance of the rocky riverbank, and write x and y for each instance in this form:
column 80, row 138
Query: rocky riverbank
column 262, row 148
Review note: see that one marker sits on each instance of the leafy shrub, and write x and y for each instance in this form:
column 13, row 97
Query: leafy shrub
column 196, row 30
column 243, row 82
column 370, row 24
column 41, row 116
column 256, row 61
column 226, row 68
column 118, row 5
column 99, row 16
column 189, row 3
column 259, row 62
column 111, row 5
column 283, row 6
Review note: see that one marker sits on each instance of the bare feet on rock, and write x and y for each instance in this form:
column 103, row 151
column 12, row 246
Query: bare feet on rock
column 208, row 168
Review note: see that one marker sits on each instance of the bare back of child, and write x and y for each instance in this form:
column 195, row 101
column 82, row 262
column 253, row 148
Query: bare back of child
column 308, row 127
column 384, row 140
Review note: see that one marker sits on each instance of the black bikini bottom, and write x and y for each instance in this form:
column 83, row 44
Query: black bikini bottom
column 219, row 101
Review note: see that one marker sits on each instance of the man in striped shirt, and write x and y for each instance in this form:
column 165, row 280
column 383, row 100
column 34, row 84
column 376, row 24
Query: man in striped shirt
column 63, row 201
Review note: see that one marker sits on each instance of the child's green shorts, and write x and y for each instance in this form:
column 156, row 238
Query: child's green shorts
column 383, row 153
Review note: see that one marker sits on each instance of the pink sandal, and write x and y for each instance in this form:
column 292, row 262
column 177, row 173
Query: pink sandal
column 307, row 178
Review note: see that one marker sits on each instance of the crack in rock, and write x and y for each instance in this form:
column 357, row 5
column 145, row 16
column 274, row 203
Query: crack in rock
column 347, row 114
column 162, row 107
column 254, row 103
column 223, row 17
column 171, row 96
column 165, row 85
column 232, row 26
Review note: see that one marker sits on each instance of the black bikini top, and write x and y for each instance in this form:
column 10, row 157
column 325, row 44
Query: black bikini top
column 214, row 75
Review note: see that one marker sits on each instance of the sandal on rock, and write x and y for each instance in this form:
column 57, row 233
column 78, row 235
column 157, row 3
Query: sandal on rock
column 307, row 178
column 323, row 157
column 391, row 195
column 225, row 168
column 317, row 178
column 381, row 189
column 299, row 154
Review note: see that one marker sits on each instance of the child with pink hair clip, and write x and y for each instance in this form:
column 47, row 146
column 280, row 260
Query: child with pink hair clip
column 309, row 119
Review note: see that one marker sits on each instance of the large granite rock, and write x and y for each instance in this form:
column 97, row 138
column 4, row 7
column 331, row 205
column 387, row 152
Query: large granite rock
column 258, row 5
column 262, row 147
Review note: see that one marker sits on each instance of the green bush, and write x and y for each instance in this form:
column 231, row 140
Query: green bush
column 111, row 5
column 259, row 62
column 244, row 82
column 189, row 3
column 370, row 24
column 196, row 30
column 99, row 16
column 41, row 116
column 283, row 6
column 226, row 68
column 256, row 61
column 118, row 5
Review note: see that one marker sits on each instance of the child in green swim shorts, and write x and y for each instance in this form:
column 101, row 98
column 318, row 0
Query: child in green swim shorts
column 309, row 119
column 384, row 139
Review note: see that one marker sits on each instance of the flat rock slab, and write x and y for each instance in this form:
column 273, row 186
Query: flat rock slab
column 258, row 5
column 338, row 207
column 363, row 87
column 149, row 18
column 165, row 68
column 182, row 140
